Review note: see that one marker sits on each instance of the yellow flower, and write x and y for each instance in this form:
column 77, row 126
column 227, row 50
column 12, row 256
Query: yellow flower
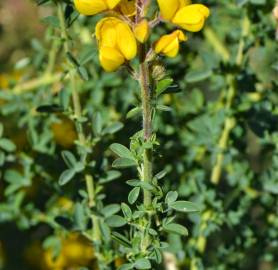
column 92, row 7
column 127, row 7
column 142, row 31
column 189, row 16
column 116, row 41
column 170, row 44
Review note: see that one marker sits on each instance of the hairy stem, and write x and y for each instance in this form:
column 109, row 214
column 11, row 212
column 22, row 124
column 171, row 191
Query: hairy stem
column 147, row 122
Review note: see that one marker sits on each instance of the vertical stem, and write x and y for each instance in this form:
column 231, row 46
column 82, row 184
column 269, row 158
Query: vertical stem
column 78, row 114
column 147, row 122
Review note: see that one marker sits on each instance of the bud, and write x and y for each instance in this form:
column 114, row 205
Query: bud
column 158, row 70
column 142, row 31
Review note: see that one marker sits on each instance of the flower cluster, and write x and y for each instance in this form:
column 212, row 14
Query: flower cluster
column 120, row 32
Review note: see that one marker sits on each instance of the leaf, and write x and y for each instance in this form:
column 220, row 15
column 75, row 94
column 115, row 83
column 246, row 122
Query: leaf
column 51, row 21
column 115, row 221
column 171, row 197
column 113, row 128
column 80, row 217
column 184, row 206
column 110, row 176
column 66, row 176
column 157, row 255
column 7, row 145
column 49, row 108
column 176, row 229
column 196, row 76
column 122, row 163
column 83, row 73
column 126, row 266
column 134, row 112
column 133, row 195
column 163, row 85
column 105, row 230
column 142, row 264
column 69, row 158
column 164, row 108
column 121, row 151
column 110, row 210
column 126, row 210
column 97, row 124
column 121, row 239
column 72, row 59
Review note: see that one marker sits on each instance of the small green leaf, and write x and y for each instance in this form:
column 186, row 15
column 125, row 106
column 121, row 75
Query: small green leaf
column 126, row 210
column 115, row 221
column 171, row 197
column 110, row 176
column 80, row 217
column 164, row 108
column 196, row 76
column 184, row 206
column 69, row 158
column 49, row 108
column 121, row 239
column 97, row 124
column 176, row 229
column 7, row 145
column 126, row 266
column 105, row 230
column 66, row 176
column 51, row 21
column 142, row 264
column 110, row 210
column 113, row 128
column 133, row 195
column 121, row 151
column 83, row 73
column 163, row 85
column 133, row 112
column 122, row 163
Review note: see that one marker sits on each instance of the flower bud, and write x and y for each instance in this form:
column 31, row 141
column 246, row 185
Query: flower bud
column 158, row 71
column 142, row 31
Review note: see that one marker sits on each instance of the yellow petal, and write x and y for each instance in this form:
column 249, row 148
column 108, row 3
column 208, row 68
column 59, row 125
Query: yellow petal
column 168, row 8
column 142, row 31
column 126, row 41
column 191, row 17
column 110, row 58
column 89, row 7
column 127, row 7
column 169, row 44
column 106, row 32
column 111, row 3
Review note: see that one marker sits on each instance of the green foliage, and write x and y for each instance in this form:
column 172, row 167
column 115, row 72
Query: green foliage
column 214, row 193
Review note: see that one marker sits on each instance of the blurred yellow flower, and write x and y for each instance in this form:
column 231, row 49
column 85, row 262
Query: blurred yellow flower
column 92, row 7
column 169, row 44
column 116, row 41
column 190, row 17
column 142, row 31
column 75, row 252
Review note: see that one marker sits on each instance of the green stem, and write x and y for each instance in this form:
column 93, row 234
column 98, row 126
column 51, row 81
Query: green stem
column 78, row 114
column 229, row 121
column 147, row 123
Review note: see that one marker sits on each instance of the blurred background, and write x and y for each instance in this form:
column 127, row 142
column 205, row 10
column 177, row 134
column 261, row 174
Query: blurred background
column 219, row 142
